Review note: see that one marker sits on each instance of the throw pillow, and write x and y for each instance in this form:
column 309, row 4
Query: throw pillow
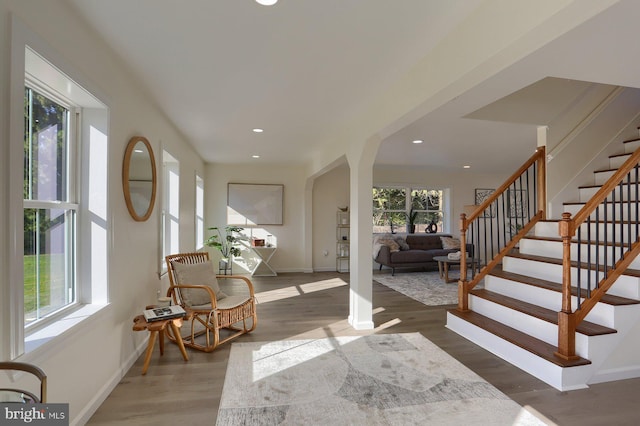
column 402, row 243
column 449, row 243
column 393, row 246
column 197, row 274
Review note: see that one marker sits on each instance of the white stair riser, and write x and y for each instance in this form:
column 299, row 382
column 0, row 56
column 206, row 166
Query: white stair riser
column 602, row 177
column 550, row 230
column 540, row 329
column 627, row 192
column 549, row 299
column 608, row 209
column 547, row 229
column 588, row 253
column 563, row 379
column 616, row 161
column 630, row 147
column 625, row 286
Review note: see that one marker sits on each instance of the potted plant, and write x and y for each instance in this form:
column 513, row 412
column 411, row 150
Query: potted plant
column 411, row 221
column 227, row 241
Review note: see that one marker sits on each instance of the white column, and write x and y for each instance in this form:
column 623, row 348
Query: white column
column 307, row 229
column 361, row 211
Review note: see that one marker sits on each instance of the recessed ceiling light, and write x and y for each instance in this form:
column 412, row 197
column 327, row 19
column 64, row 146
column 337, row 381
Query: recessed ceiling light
column 417, row 141
column 267, row 2
column 466, row 167
column 255, row 156
column 257, row 130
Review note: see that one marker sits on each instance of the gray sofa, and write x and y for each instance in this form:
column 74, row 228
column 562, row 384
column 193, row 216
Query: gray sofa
column 413, row 250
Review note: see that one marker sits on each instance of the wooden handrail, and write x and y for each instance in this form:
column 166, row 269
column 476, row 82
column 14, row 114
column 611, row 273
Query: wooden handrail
column 568, row 319
column 539, row 155
column 465, row 286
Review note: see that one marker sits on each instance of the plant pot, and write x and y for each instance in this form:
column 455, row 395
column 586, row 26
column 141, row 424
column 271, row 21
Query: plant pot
column 224, row 265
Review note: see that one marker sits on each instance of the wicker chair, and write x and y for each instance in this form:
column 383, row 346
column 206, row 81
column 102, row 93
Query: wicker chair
column 7, row 394
column 210, row 318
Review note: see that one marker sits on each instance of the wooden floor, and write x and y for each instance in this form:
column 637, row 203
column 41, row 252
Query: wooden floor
column 295, row 306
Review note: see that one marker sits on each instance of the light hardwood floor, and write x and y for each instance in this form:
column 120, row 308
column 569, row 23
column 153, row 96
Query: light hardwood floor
column 295, row 306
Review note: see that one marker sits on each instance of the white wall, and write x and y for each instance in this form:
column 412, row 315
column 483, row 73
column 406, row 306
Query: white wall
column 588, row 150
column 83, row 366
column 330, row 191
column 289, row 256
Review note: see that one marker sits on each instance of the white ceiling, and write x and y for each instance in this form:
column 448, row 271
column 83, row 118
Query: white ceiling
column 302, row 68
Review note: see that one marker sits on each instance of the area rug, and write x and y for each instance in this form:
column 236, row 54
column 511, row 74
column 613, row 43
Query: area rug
column 425, row 287
column 385, row 379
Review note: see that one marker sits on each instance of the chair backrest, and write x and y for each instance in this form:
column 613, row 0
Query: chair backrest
column 29, row 368
column 188, row 258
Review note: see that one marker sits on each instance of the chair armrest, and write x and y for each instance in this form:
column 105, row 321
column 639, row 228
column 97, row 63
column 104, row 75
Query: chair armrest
column 239, row 277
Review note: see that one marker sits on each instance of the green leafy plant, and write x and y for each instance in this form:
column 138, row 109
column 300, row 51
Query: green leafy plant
column 411, row 221
column 226, row 240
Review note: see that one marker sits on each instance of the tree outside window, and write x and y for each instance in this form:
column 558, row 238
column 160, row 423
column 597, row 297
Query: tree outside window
column 393, row 207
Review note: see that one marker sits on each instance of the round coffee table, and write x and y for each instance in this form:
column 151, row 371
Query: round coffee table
column 443, row 266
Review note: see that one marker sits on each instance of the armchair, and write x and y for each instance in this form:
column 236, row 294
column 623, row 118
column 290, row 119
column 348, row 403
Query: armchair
column 194, row 286
column 19, row 395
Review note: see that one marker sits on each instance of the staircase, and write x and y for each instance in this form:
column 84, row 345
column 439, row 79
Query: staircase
column 515, row 313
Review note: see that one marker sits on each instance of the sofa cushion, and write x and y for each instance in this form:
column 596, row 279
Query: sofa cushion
column 197, row 274
column 424, row 242
column 411, row 256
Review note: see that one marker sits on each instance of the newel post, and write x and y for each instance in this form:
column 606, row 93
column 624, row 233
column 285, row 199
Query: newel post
column 566, row 318
column 463, row 290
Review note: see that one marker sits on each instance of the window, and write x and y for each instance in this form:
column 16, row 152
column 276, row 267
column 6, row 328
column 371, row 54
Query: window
column 393, row 207
column 170, row 221
column 58, row 210
column 199, row 212
column 50, row 208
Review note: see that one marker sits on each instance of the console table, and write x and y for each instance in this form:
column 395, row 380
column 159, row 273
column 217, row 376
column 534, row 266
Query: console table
column 263, row 269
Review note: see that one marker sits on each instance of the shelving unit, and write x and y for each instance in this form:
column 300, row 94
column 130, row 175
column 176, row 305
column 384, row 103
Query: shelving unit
column 342, row 241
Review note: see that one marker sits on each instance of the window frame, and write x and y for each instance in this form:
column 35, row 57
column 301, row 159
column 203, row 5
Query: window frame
column 69, row 205
column 170, row 211
column 408, row 203
column 199, row 213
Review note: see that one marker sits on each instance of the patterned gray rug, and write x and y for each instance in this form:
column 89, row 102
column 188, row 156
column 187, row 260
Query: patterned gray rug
column 385, row 379
column 425, row 287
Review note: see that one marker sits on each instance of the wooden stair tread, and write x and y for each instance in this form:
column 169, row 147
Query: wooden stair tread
column 608, row 299
column 585, row 327
column 536, row 346
column 515, row 253
column 575, row 240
